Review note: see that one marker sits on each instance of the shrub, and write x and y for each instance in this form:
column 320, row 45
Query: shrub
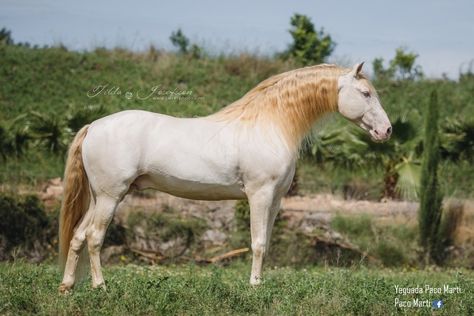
column 353, row 226
column 429, row 216
column 241, row 234
column 24, row 223
column 450, row 223
column 390, row 254
column 165, row 233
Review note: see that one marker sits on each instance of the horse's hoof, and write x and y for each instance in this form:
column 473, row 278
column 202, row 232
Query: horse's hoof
column 64, row 289
column 255, row 281
column 100, row 286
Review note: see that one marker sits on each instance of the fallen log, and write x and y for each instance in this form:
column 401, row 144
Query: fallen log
column 226, row 256
column 153, row 256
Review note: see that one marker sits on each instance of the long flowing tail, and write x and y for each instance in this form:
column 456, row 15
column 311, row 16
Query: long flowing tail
column 76, row 195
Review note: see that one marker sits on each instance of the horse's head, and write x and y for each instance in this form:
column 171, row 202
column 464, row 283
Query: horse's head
column 359, row 103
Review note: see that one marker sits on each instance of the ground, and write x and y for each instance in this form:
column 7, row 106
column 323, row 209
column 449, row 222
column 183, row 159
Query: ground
column 213, row 290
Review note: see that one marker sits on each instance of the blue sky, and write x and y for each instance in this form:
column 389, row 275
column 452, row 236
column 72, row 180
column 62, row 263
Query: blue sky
column 441, row 32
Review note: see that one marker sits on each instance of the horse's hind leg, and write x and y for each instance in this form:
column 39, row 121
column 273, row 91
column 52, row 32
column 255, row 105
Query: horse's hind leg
column 103, row 213
column 75, row 247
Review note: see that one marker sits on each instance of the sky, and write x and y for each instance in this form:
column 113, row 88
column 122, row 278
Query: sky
column 441, row 32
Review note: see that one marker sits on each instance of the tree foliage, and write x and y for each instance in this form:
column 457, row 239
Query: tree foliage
column 402, row 67
column 6, row 37
column 310, row 46
column 181, row 42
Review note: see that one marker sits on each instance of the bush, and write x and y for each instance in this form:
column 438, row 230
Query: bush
column 163, row 233
column 450, row 222
column 241, row 235
column 393, row 245
column 390, row 254
column 353, row 226
column 24, row 223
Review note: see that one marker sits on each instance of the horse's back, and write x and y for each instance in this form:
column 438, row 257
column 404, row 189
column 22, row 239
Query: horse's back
column 182, row 156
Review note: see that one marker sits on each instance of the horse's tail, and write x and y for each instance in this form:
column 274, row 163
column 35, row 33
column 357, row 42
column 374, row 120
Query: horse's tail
column 76, row 195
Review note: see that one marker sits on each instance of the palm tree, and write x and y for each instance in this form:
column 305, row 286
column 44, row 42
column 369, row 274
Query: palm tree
column 78, row 117
column 51, row 131
column 14, row 137
column 457, row 139
column 351, row 148
column 55, row 131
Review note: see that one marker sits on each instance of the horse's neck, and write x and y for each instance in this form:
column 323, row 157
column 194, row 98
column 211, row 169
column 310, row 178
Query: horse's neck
column 297, row 114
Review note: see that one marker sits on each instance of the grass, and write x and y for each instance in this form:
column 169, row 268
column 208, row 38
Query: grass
column 194, row 290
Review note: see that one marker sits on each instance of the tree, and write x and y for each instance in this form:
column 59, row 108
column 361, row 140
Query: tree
column 403, row 64
column 6, row 37
column 14, row 137
column 180, row 41
column 77, row 117
column 403, row 67
column 457, row 139
column 309, row 45
column 429, row 215
column 51, row 131
column 380, row 72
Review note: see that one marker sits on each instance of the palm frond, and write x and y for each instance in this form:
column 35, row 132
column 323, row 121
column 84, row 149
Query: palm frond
column 51, row 130
column 457, row 139
column 408, row 184
column 77, row 118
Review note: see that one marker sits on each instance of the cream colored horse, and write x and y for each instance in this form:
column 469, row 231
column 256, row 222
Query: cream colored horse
column 245, row 151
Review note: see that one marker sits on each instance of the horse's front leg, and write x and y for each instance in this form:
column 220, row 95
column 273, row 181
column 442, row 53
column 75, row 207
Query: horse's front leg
column 264, row 204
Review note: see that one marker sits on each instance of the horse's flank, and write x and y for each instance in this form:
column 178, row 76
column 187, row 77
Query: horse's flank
column 292, row 101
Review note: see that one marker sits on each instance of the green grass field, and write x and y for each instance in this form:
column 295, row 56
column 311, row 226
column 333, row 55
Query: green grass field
column 194, row 290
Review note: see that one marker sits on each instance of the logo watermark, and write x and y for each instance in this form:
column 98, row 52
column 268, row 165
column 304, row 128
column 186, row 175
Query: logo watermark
column 437, row 304
column 156, row 92
column 420, row 295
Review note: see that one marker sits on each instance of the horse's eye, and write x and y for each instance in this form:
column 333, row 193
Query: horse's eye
column 366, row 94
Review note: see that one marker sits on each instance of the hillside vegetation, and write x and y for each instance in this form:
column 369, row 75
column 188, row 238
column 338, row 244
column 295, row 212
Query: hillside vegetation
column 48, row 93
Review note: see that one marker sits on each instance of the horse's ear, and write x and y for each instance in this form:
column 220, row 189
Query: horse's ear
column 357, row 68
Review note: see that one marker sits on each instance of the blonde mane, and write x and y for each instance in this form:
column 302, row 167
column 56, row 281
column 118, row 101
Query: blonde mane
column 292, row 101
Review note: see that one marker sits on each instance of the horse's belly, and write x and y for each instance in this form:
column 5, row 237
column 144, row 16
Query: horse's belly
column 190, row 189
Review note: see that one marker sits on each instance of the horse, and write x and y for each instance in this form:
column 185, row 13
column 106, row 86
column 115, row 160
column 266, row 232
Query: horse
column 246, row 150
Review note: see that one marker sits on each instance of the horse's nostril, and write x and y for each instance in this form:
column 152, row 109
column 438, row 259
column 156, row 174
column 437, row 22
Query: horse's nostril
column 375, row 131
column 389, row 130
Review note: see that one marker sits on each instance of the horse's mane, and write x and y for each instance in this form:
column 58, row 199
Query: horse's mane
column 292, row 101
